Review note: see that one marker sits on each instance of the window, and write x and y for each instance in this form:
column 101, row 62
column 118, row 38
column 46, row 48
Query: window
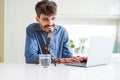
column 81, row 34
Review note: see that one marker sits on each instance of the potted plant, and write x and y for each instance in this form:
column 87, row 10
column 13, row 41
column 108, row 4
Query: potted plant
column 82, row 44
column 72, row 45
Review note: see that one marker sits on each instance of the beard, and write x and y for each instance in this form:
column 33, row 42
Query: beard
column 46, row 28
column 53, row 25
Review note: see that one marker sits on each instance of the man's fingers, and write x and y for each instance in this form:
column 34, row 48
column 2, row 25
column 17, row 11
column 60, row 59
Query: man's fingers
column 72, row 60
column 76, row 59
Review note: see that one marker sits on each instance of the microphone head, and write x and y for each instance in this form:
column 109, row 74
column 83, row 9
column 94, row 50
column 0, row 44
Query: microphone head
column 48, row 41
column 47, row 44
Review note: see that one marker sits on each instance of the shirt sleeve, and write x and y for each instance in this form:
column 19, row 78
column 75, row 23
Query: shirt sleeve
column 66, row 46
column 31, row 47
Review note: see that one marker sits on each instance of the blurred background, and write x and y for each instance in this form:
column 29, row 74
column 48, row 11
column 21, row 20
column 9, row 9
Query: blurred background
column 82, row 19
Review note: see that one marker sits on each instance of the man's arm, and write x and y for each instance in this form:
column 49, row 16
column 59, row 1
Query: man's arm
column 66, row 46
column 31, row 47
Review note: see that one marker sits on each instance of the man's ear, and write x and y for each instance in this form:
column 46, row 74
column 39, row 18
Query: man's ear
column 37, row 18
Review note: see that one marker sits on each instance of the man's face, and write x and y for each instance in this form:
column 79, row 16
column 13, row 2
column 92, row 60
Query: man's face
column 47, row 22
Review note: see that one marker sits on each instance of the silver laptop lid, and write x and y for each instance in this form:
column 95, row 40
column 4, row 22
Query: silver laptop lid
column 100, row 51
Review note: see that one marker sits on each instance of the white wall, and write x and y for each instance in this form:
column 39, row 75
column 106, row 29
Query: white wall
column 20, row 13
column 88, row 7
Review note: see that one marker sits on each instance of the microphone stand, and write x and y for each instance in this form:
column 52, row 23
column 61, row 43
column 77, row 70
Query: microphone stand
column 47, row 47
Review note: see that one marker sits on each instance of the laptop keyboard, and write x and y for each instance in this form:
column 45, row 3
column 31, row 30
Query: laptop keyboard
column 76, row 64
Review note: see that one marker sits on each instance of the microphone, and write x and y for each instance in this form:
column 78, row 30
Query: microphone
column 48, row 41
column 47, row 46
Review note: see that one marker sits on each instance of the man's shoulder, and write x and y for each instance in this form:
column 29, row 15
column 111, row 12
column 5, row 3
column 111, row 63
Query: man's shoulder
column 59, row 27
column 32, row 26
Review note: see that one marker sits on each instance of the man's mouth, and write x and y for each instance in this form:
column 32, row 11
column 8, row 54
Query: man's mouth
column 47, row 26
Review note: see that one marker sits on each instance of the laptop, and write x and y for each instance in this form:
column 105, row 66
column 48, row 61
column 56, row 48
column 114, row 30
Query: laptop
column 99, row 53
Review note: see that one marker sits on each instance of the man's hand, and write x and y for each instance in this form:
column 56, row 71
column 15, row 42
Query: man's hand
column 73, row 59
column 76, row 59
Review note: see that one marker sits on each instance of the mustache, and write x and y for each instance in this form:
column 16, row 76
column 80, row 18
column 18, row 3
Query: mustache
column 53, row 25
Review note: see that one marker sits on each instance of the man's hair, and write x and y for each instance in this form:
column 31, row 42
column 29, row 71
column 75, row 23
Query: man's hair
column 46, row 7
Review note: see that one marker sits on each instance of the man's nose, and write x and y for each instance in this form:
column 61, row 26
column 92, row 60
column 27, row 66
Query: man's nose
column 50, row 22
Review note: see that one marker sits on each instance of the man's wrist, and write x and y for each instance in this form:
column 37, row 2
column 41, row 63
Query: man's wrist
column 65, row 60
column 57, row 60
column 60, row 60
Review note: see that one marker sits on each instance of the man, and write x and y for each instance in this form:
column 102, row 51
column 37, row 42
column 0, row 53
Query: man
column 36, row 36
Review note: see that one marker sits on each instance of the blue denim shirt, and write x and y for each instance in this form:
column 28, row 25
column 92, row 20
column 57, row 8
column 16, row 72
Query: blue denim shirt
column 36, row 40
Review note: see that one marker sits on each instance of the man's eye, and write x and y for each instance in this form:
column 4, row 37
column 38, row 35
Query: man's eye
column 53, row 18
column 45, row 19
